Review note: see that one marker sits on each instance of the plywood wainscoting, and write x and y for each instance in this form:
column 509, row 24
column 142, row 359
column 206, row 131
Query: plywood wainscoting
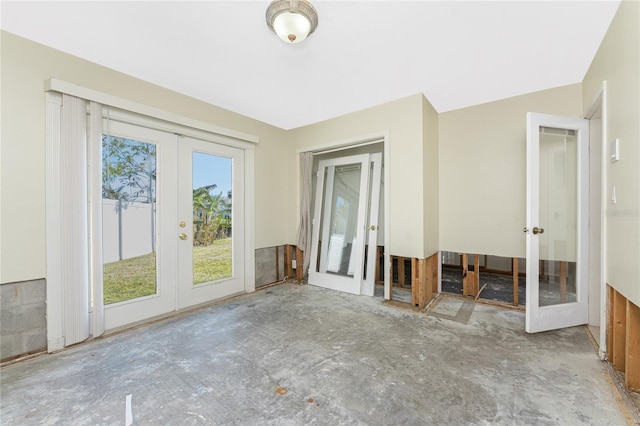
column 424, row 278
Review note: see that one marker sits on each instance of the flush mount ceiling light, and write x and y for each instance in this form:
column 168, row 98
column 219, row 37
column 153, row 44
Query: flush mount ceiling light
column 292, row 20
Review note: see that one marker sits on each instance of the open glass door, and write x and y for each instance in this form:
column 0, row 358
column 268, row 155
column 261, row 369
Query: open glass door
column 339, row 223
column 557, row 222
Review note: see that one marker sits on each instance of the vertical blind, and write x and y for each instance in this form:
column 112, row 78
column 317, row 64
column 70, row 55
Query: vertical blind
column 73, row 214
column 74, row 266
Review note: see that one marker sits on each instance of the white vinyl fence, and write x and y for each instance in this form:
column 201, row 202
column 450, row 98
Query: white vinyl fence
column 128, row 229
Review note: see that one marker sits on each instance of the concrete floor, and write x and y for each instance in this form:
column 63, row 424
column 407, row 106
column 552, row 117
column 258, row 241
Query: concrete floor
column 301, row 354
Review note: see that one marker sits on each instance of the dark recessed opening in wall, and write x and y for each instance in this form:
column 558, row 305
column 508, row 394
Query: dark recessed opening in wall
column 496, row 277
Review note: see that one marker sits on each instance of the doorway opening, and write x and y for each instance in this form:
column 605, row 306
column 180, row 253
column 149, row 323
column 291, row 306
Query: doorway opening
column 597, row 203
column 348, row 230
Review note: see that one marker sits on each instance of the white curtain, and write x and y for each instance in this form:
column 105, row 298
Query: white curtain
column 304, row 229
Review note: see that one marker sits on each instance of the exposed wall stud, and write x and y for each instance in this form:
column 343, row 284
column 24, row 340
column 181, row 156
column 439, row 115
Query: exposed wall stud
column 563, row 281
column 434, row 272
column 514, row 269
column 476, row 273
column 470, row 280
column 422, row 280
column 632, row 348
column 619, row 330
column 288, row 261
column 465, row 272
column 391, row 270
column 379, row 264
column 610, row 323
column 400, row 271
column 299, row 265
column 277, row 263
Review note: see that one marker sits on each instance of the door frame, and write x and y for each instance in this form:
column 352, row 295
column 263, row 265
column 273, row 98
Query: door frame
column 599, row 103
column 53, row 88
column 355, row 142
column 568, row 314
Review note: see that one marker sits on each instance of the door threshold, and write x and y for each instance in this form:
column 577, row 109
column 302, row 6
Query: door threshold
column 169, row 315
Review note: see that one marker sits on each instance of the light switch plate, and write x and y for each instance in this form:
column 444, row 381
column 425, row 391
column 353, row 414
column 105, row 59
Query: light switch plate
column 614, row 154
column 614, row 196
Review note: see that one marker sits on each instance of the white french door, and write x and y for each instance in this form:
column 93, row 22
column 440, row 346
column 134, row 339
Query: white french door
column 345, row 215
column 557, row 222
column 173, row 222
column 211, row 221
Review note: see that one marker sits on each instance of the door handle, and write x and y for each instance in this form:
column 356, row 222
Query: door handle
column 535, row 230
column 373, row 227
column 183, row 236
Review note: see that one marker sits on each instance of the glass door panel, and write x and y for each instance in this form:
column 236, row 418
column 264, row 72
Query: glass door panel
column 128, row 219
column 212, row 218
column 558, row 153
column 340, row 215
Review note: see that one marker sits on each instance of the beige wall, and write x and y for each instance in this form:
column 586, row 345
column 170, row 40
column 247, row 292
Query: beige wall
column 403, row 119
column 482, row 171
column 430, row 176
column 25, row 67
column 618, row 62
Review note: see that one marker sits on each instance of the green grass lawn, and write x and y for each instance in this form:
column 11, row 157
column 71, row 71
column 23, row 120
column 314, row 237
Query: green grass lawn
column 136, row 277
column 213, row 262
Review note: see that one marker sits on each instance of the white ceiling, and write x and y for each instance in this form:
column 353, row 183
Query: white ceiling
column 363, row 53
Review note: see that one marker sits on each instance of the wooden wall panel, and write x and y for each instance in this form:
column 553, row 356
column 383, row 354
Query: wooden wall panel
column 299, row 265
column 619, row 330
column 632, row 348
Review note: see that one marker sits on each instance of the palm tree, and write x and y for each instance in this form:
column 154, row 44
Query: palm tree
column 211, row 215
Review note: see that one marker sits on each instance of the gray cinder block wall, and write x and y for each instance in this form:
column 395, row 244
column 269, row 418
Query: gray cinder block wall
column 23, row 325
column 266, row 272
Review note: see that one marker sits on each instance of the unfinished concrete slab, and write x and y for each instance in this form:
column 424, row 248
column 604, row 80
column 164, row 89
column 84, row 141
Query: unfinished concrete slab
column 301, row 354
